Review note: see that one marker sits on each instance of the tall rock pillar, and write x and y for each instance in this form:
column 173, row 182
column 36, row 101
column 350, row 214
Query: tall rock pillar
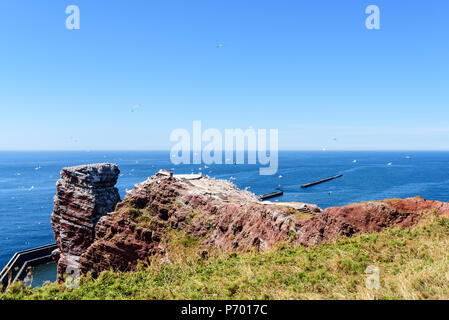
column 83, row 195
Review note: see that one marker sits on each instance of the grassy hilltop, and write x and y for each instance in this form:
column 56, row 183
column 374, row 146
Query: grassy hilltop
column 413, row 263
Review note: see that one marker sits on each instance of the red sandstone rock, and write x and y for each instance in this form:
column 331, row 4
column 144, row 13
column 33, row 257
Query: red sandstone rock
column 217, row 213
column 366, row 217
column 84, row 195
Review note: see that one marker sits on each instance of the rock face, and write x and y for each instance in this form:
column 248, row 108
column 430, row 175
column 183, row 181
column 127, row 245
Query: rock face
column 214, row 212
column 373, row 216
column 84, row 195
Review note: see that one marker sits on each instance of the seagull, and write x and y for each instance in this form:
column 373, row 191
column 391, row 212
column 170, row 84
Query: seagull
column 335, row 139
column 220, row 45
column 280, row 177
column 74, row 140
column 390, row 163
column 18, row 174
column 37, row 168
column 31, row 189
column 355, row 161
column 135, row 107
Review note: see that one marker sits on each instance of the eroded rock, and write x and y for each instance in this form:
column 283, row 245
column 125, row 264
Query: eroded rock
column 214, row 212
column 84, row 194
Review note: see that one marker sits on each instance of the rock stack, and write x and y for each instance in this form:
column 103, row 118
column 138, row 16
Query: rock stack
column 84, row 195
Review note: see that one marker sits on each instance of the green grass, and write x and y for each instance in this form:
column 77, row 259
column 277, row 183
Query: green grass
column 414, row 264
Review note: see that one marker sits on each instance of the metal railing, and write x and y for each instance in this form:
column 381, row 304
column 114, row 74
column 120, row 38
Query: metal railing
column 16, row 269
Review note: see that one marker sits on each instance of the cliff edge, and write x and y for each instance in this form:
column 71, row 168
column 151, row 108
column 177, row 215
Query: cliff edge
column 93, row 236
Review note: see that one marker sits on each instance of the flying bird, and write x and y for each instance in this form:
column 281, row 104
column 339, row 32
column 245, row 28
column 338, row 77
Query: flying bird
column 135, row 107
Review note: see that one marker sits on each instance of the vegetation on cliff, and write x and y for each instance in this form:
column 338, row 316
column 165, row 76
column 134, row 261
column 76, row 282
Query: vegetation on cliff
column 413, row 264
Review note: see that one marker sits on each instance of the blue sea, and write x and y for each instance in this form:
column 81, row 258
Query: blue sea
column 27, row 182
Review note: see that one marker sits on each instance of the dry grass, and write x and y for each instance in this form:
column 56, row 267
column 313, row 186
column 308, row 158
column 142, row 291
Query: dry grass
column 413, row 264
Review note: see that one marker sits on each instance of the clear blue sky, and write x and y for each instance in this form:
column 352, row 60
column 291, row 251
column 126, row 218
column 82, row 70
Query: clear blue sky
column 308, row 68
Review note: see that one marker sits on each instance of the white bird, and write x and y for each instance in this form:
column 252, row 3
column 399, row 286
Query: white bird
column 18, row 174
column 37, row 168
column 390, row 163
column 31, row 189
column 74, row 140
column 135, row 107
column 355, row 161
column 220, row 45
column 280, row 177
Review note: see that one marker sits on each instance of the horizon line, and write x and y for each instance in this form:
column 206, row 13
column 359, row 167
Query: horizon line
column 167, row 150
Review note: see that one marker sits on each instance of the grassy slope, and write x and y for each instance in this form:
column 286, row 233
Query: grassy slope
column 414, row 264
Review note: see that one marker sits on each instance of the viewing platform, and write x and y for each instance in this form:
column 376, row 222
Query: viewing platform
column 18, row 267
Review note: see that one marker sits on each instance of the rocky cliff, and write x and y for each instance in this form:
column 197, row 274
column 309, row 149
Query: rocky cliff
column 83, row 195
column 214, row 212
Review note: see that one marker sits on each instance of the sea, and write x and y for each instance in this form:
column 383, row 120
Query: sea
column 28, row 181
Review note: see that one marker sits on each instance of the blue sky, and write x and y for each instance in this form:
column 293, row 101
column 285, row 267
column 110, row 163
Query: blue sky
column 308, row 68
